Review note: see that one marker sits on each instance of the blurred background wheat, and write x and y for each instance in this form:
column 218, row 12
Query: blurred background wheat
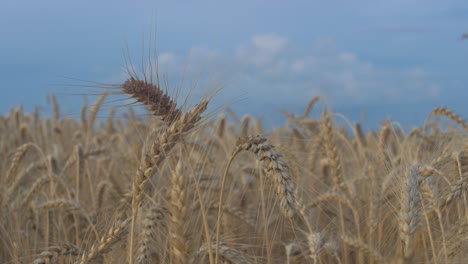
column 178, row 186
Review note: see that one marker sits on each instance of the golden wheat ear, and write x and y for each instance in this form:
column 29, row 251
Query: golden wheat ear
column 151, row 95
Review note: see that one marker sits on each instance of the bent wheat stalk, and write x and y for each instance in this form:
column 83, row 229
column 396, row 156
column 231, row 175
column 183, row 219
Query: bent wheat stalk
column 276, row 170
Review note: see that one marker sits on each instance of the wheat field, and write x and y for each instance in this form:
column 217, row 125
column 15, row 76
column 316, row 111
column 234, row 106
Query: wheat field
column 181, row 185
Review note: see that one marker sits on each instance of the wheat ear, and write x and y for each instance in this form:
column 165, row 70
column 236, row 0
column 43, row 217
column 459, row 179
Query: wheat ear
column 179, row 230
column 70, row 205
column 95, row 109
column 164, row 143
column 220, row 126
column 410, row 210
column 51, row 254
column 153, row 219
column 230, row 254
column 332, row 152
column 276, row 170
column 443, row 111
column 158, row 151
column 316, row 242
column 309, row 105
column 245, row 125
column 456, row 191
column 294, row 253
column 55, row 106
column 36, row 186
column 113, row 235
column 151, row 95
column 18, row 156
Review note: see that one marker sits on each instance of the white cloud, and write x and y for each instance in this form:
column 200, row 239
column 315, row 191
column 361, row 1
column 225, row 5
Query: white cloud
column 415, row 72
column 297, row 66
column 347, row 57
column 166, row 59
column 269, row 43
column 204, row 54
column 271, row 68
column 262, row 49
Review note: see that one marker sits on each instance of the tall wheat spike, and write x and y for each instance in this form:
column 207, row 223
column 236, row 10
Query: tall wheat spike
column 410, row 210
column 179, row 209
column 154, row 218
column 332, row 152
column 158, row 151
column 151, row 95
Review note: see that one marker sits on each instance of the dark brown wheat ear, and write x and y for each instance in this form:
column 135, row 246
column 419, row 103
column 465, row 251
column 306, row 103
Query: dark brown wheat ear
column 151, row 95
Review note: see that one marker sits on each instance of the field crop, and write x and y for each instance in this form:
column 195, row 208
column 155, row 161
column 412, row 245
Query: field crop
column 178, row 186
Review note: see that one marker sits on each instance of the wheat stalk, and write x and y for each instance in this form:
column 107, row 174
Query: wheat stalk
column 309, row 105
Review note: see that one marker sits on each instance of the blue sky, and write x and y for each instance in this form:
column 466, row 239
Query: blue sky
column 395, row 59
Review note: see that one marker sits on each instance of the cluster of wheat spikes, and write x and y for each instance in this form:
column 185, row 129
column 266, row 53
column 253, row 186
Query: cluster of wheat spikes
column 177, row 187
